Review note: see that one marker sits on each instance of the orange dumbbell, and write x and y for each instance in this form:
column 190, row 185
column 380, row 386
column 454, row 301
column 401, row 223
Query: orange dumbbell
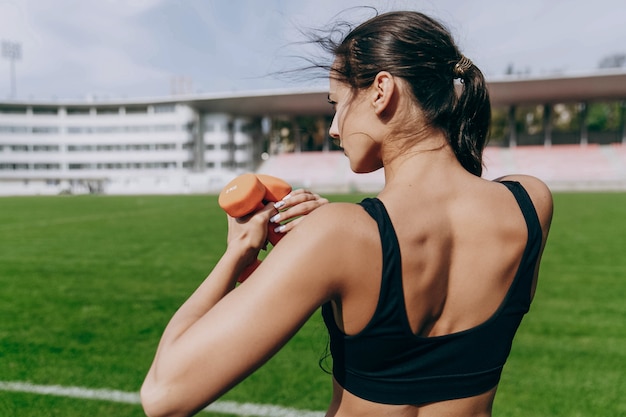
column 249, row 192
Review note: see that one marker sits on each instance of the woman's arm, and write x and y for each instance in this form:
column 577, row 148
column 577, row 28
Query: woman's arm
column 541, row 198
column 221, row 333
column 540, row 195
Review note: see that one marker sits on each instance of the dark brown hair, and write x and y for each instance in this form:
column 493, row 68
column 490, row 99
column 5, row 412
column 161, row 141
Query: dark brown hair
column 420, row 50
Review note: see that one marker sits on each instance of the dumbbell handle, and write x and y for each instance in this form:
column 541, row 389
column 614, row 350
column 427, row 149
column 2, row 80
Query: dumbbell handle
column 248, row 193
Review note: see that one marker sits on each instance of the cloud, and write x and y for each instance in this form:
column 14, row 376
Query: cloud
column 71, row 48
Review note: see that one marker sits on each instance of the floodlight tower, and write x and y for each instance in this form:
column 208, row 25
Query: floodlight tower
column 13, row 52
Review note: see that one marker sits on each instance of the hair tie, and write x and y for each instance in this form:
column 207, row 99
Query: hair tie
column 460, row 67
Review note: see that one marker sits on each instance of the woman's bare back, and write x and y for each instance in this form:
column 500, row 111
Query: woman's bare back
column 460, row 254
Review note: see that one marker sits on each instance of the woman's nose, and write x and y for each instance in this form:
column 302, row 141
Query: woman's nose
column 334, row 131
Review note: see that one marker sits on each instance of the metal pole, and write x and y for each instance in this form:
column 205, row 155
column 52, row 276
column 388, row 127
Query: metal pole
column 512, row 122
column 13, row 52
column 623, row 121
column 547, row 125
column 584, row 129
column 13, row 86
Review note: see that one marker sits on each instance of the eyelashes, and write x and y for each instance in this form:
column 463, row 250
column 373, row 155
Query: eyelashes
column 332, row 103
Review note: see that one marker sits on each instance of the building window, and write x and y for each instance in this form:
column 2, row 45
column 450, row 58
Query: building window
column 107, row 110
column 14, row 129
column 116, row 129
column 137, row 110
column 79, row 148
column 46, row 148
column 45, row 110
column 165, row 146
column 13, row 167
column 45, row 129
column 12, row 110
column 46, row 167
column 76, row 111
column 109, row 129
column 78, row 129
column 137, row 129
column 164, row 128
column 164, row 108
column 79, row 166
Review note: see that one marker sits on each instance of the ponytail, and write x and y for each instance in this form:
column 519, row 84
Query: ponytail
column 420, row 50
column 471, row 117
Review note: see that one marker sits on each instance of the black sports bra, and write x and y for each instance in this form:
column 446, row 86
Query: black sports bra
column 387, row 363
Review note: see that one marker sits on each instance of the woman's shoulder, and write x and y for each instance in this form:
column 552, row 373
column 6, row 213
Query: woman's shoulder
column 529, row 182
column 338, row 218
column 538, row 192
column 329, row 244
column 336, row 229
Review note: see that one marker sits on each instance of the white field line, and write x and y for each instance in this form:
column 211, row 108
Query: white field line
column 226, row 407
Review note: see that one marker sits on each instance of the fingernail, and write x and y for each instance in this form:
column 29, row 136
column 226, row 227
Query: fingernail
column 280, row 229
column 279, row 204
column 275, row 218
column 287, row 197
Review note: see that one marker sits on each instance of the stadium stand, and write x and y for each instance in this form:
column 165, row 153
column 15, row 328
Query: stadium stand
column 321, row 172
column 563, row 168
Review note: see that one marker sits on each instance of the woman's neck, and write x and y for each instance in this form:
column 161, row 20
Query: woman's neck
column 427, row 158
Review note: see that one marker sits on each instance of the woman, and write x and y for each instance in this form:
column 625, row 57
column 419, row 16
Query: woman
column 422, row 288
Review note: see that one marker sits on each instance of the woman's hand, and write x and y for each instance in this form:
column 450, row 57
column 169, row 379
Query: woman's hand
column 248, row 235
column 291, row 209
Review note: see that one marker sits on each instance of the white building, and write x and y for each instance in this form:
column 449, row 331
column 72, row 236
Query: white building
column 119, row 148
column 196, row 144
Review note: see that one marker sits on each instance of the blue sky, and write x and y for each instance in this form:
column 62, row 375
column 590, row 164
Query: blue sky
column 75, row 49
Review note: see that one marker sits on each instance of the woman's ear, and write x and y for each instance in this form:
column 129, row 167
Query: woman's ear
column 384, row 87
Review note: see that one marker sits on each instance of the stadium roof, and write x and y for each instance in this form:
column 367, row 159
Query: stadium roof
column 606, row 85
column 511, row 90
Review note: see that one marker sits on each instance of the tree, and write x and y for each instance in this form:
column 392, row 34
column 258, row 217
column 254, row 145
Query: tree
column 613, row 61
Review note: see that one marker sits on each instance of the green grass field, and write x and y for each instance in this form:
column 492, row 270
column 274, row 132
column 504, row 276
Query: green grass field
column 87, row 284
